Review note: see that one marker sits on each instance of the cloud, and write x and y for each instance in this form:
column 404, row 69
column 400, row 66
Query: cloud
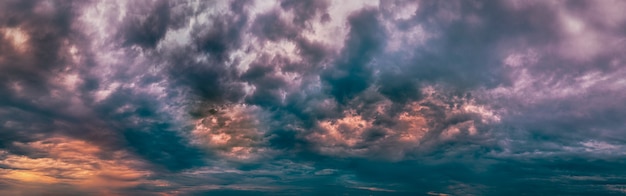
column 352, row 74
column 68, row 161
column 305, row 10
column 234, row 133
column 311, row 97
column 147, row 29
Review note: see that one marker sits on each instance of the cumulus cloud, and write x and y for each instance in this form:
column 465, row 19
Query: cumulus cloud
column 312, row 97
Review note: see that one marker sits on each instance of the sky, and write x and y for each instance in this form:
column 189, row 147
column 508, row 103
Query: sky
column 312, row 97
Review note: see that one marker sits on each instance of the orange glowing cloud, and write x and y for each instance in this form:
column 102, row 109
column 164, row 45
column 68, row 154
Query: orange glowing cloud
column 346, row 131
column 233, row 132
column 351, row 135
column 72, row 162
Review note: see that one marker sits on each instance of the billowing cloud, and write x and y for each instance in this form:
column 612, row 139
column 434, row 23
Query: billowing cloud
column 158, row 97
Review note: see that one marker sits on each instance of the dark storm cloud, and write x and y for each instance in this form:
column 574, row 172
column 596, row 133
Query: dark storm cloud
column 147, row 29
column 211, row 81
column 45, row 34
column 224, row 34
column 267, row 86
column 462, row 55
column 271, row 27
column 352, row 73
column 30, row 53
column 398, row 90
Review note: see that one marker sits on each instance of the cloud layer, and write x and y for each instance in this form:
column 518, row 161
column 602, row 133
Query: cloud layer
column 312, row 97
